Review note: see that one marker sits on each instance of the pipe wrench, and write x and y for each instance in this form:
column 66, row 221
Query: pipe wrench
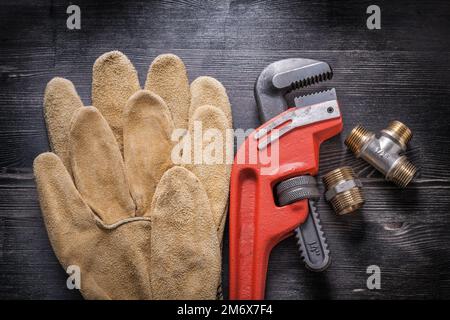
column 268, row 203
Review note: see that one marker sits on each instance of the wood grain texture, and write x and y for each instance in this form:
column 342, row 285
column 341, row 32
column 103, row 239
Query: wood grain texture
column 399, row 72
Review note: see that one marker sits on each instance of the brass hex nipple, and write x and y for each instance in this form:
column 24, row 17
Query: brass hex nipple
column 343, row 190
column 384, row 153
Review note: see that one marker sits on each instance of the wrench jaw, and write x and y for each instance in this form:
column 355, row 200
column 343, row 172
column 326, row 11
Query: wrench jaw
column 314, row 98
column 282, row 77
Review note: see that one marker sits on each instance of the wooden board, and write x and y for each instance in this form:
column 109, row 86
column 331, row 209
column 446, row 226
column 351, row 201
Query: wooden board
column 399, row 72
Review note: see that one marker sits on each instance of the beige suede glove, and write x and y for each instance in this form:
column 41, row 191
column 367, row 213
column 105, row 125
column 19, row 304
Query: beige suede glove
column 114, row 204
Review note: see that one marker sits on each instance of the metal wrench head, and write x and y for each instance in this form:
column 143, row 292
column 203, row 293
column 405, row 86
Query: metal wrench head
column 286, row 75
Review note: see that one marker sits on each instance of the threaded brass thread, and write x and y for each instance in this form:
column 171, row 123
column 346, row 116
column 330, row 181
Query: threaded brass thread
column 338, row 175
column 403, row 172
column 345, row 201
column 399, row 131
column 357, row 138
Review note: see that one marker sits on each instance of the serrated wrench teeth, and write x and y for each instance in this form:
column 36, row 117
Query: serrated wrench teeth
column 302, row 76
column 314, row 98
column 283, row 76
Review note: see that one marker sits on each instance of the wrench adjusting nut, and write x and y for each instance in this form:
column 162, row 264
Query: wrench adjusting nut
column 297, row 188
column 384, row 153
column 343, row 190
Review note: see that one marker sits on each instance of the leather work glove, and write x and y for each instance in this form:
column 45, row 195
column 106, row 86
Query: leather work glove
column 114, row 204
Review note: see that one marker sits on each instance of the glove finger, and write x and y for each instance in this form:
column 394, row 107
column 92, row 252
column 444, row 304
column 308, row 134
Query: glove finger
column 114, row 80
column 66, row 215
column 167, row 77
column 209, row 91
column 60, row 102
column 185, row 255
column 213, row 165
column 98, row 168
column 147, row 145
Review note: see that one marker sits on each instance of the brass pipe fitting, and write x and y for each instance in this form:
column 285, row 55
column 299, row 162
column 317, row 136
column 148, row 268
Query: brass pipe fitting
column 343, row 190
column 384, row 153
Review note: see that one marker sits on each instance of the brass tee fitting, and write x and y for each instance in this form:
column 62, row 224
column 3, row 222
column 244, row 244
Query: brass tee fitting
column 343, row 190
column 384, row 153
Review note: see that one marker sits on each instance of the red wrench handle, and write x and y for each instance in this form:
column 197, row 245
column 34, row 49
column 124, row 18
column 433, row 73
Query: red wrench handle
column 257, row 224
column 255, row 236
